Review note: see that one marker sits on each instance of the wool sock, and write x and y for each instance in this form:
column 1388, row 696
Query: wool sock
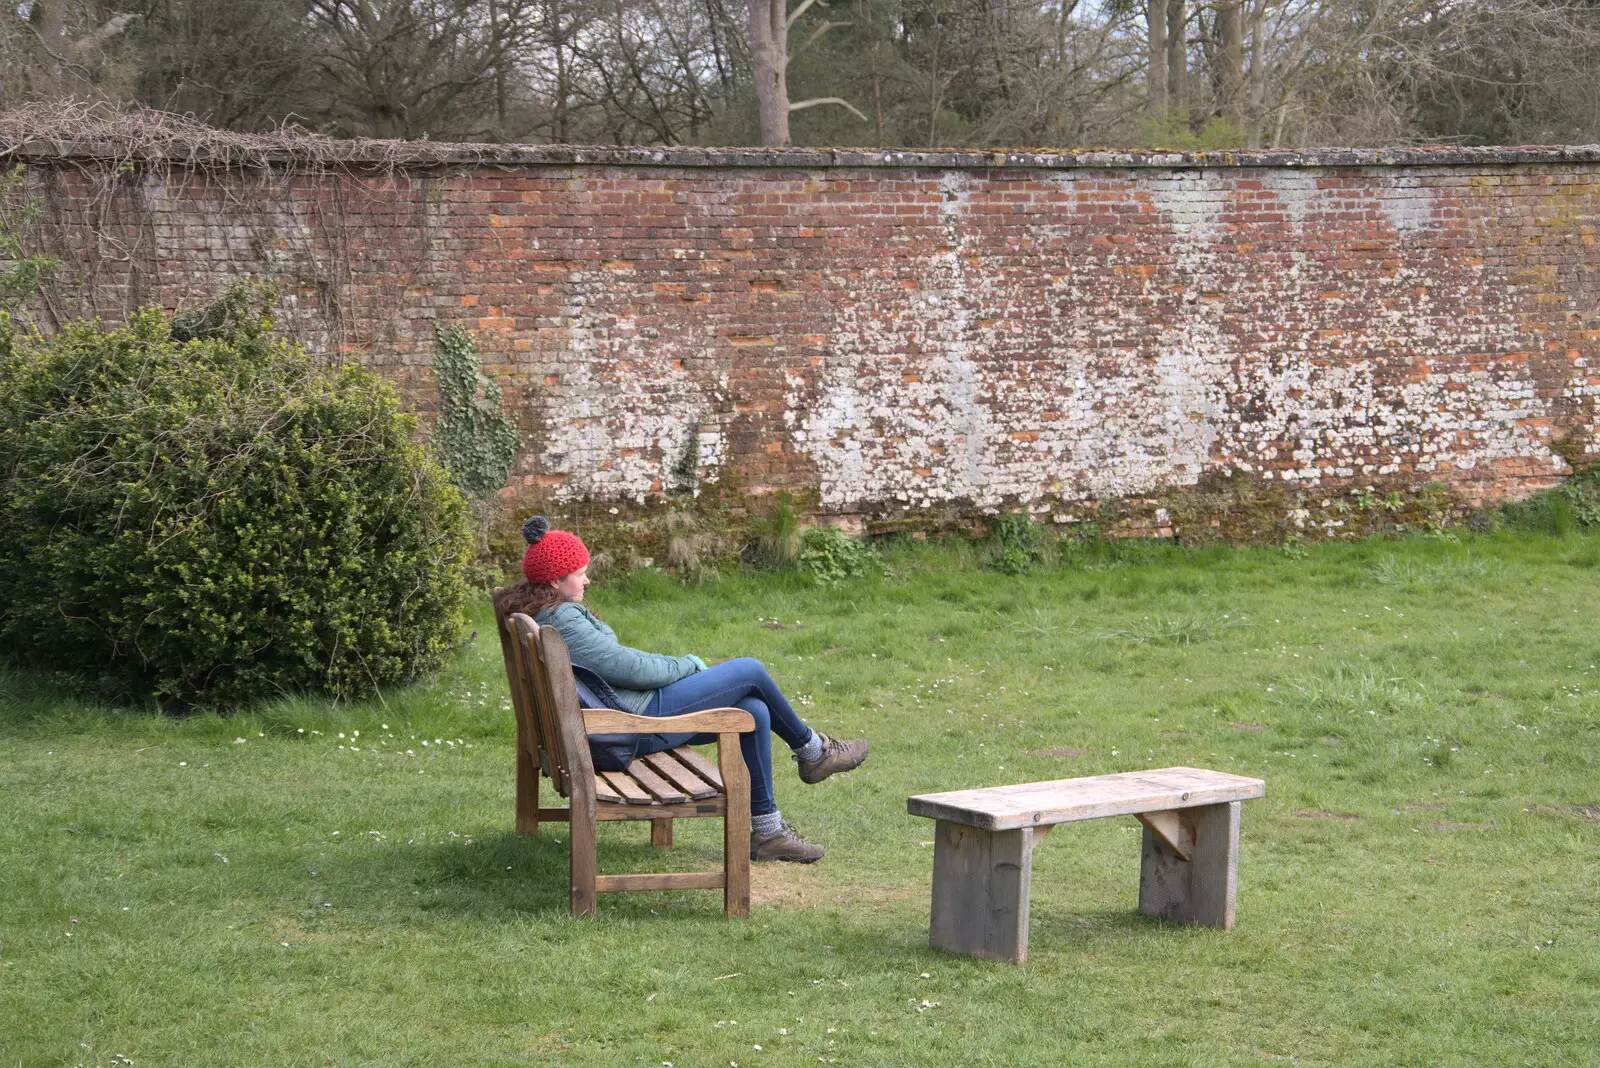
column 811, row 750
column 766, row 824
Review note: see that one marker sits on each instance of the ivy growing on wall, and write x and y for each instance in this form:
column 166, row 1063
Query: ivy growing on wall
column 473, row 437
column 686, row 471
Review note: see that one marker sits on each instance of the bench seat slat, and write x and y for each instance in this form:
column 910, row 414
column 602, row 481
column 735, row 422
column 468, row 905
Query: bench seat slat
column 700, row 766
column 1036, row 804
column 603, row 791
column 660, row 789
column 679, row 775
column 631, row 792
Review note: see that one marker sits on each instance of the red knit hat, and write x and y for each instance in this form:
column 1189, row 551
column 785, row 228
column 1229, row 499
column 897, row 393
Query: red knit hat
column 552, row 554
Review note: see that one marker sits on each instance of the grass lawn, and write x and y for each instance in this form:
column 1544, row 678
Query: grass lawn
column 1421, row 884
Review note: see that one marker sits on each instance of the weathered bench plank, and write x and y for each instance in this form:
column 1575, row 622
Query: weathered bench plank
column 984, row 839
column 1034, row 804
column 982, row 884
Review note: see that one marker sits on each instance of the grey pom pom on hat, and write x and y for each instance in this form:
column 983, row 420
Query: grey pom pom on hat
column 535, row 528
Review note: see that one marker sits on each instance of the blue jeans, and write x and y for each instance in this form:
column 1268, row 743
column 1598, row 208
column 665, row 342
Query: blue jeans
column 742, row 683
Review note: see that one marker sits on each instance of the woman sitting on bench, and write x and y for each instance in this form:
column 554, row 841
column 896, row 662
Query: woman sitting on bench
column 556, row 565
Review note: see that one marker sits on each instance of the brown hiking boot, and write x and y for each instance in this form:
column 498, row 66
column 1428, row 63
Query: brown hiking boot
column 785, row 845
column 836, row 756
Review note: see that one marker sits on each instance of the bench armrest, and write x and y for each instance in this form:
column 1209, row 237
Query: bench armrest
column 711, row 721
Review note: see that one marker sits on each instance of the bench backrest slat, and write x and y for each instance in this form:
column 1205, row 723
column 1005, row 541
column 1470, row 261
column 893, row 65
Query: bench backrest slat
column 1036, row 804
column 528, row 735
column 531, row 645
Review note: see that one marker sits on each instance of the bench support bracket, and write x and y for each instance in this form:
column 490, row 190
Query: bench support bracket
column 1175, row 832
column 1197, row 884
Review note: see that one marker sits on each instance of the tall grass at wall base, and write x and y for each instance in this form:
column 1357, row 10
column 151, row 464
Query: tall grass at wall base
column 1573, row 505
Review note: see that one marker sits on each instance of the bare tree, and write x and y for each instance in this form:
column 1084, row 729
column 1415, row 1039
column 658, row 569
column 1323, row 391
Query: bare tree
column 66, row 48
column 632, row 70
column 768, row 24
column 238, row 64
column 1197, row 73
column 411, row 68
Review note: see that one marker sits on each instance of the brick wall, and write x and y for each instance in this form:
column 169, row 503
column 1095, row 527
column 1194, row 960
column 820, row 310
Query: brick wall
column 892, row 332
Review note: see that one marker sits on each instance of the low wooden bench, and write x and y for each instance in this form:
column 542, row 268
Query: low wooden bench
column 983, row 849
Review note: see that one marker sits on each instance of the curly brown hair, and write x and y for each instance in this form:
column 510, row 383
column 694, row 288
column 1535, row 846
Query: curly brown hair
column 528, row 598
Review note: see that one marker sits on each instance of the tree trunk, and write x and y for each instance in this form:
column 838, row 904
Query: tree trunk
column 1155, row 14
column 1177, row 56
column 991, row 20
column 49, row 23
column 49, row 46
column 1230, row 57
column 769, row 59
column 498, row 40
column 1256, row 79
column 721, row 53
column 875, row 73
column 563, row 94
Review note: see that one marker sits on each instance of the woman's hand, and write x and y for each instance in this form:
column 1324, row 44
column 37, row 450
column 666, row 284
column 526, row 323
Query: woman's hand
column 699, row 665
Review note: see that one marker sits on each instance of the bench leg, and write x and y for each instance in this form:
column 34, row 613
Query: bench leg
column 583, row 855
column 981, row 881
column 1199, row 890
column 527, row 792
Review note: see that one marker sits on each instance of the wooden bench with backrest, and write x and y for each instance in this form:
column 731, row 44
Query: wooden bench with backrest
column 984, row 839
column 552, row 738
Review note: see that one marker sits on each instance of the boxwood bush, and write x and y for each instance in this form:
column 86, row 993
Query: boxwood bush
column 218, row 519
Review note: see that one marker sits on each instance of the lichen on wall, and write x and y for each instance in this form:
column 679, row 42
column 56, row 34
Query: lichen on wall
column 885, row 333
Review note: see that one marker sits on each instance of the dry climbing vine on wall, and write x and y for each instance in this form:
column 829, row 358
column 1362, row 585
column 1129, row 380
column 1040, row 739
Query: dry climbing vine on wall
column 112, row 168
column 21, row 274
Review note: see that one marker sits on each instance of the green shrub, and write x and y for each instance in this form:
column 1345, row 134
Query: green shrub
column 217, row 521
column 831, row 556
column 1016, row 543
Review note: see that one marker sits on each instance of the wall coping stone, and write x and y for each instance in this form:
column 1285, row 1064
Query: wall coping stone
column 323, row 154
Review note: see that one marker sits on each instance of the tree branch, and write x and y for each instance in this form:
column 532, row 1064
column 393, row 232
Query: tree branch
column 814, row 101
column 805, row 6
column 815, row 34
column 112, row 28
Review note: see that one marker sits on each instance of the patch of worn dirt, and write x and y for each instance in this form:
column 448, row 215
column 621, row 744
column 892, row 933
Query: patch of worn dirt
column 806, row 886
column 1251, row 728
column 1060, row 752
column 1453, row 825
column 1588, row 812
column 555, row 1042
column 1324, row 814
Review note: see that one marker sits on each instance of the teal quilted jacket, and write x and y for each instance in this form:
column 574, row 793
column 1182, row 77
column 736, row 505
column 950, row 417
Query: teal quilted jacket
column 633, row 673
